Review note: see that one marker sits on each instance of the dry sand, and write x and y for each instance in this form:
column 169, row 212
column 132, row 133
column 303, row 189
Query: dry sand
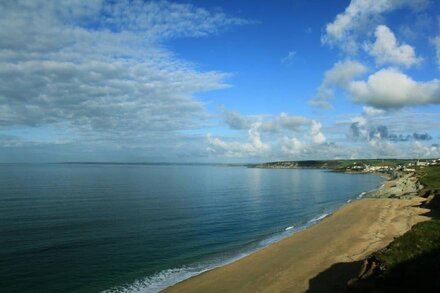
column 318, row 259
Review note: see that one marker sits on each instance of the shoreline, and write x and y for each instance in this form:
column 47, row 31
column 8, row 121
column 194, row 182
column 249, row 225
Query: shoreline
column 355, row 230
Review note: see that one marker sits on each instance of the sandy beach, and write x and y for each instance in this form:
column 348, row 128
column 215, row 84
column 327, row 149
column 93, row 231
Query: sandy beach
column 323, row 256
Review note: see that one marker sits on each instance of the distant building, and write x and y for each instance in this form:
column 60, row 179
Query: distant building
column 358, row 167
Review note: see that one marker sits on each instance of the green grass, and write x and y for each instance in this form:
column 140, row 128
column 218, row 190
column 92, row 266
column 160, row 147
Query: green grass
column 423, row 238
column 430, row 177
column 411, row 263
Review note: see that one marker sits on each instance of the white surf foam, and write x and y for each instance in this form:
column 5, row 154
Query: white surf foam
column 170, row 277
column 317, row 219
column 160, row 281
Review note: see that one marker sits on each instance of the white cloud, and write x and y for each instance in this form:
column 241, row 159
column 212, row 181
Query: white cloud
column 308, row 139
column 254, row 146
column 291, row 146
column 358, row 18
column 99, row 69
column 283, row 121
column 339, row 75
column 316, row 134
column 370, row 111
column 290, row 122
column 255, row 139
column 271, row 124
column 381, row 148
column 387, row 50
column 421, row 150
column 380, row 90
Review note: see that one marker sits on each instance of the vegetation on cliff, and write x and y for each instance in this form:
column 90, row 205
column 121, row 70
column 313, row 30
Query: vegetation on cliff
column 430, row 177
column 411, row 263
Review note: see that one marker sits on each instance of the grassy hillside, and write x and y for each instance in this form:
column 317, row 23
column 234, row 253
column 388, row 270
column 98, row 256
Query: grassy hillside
column 430, row 177
column 411, row 263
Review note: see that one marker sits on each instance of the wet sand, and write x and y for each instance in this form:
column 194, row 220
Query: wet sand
column 291, row 265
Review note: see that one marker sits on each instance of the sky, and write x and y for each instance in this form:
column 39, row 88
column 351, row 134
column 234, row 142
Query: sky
column 218, row 81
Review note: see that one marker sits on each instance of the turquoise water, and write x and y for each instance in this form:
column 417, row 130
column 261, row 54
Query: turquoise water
column 141, row 228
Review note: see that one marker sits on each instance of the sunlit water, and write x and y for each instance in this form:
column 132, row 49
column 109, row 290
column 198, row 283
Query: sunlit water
column 141, row 228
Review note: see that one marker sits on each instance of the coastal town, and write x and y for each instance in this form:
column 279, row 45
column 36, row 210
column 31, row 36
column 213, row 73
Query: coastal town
column 383, row 166
column 388, row 168
column 403, row 176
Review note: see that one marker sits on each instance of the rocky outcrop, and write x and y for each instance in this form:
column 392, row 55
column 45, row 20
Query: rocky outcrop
column 404, row 186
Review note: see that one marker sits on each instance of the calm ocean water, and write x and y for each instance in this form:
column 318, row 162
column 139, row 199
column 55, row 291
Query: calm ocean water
column 141, row 228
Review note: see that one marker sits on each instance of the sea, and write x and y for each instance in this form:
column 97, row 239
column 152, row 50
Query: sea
column 144, row 227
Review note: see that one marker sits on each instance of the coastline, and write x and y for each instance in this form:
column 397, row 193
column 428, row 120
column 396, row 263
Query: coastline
column 351, row 233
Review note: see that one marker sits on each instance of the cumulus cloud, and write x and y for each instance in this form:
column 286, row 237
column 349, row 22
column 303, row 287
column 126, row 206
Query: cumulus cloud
column 254, row 146
column 379, row 90
column 316, row 134
column 420, row 150
column 278, row 130
column 308, row 138
column 309, row 144
column 386, row 49
column 358, row 18
column 341, row 74
column 359, row 130
column 291, row 146
column 99, row 68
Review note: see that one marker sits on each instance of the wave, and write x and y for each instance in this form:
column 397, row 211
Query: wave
column 161, row 280
column 361, row 194
column 170, row 277
column 317, row 219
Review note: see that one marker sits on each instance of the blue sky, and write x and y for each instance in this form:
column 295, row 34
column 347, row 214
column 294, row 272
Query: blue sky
column 218, row 81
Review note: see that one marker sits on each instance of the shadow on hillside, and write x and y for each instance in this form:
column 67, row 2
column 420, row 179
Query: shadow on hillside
column 433, row 214
column 420, row 274
column 335, row 278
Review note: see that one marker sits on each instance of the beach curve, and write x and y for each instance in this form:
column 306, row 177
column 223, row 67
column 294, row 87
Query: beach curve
column 350, row 234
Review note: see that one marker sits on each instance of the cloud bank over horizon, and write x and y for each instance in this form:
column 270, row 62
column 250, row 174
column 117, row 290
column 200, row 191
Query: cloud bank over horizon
column 135, row 80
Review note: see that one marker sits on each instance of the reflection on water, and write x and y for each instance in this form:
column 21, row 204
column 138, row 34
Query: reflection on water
column 86, row 228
